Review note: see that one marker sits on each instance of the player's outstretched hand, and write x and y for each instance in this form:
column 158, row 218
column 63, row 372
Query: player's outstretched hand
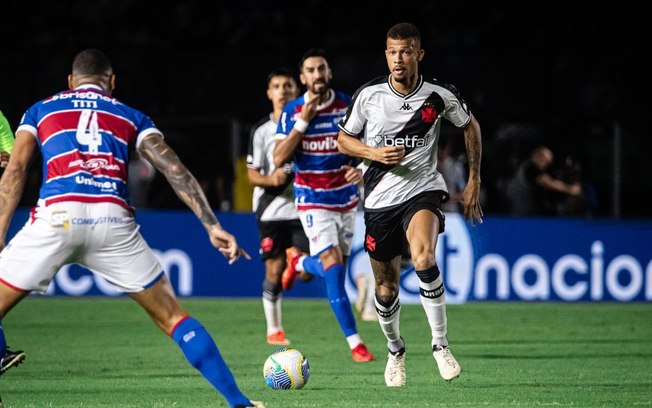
column 309, row 110
column 353, row 174
column 471, row 203
column 227, row 244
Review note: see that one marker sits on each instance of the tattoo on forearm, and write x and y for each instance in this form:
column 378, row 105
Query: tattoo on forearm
column 11, row 190
column 474, row 152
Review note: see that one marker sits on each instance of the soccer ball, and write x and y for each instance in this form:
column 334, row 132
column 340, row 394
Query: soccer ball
column 286, row 369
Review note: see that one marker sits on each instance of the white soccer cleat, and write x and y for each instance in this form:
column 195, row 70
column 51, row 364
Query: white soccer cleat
column 361, row 284
column 449, row 369
column 395, row 369
column 369, row 315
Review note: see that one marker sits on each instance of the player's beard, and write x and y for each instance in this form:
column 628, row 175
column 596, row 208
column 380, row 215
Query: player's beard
column 407, row 78
column 401, row 79
column 320, row 88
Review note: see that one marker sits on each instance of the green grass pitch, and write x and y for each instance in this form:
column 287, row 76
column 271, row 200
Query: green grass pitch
column 105, row 352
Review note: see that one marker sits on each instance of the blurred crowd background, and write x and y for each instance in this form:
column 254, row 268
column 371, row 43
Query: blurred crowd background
column 571, row 77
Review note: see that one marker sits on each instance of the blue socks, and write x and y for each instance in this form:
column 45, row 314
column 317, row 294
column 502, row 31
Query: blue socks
column 202, row 353
column 3, row 342
column 335, row 279
column 312, row 265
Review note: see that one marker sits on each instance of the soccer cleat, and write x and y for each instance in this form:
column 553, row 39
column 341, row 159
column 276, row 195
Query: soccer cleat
column 11, row 359
column 254, row 404
column 292, row 255
column 449, row 369
column 395, row 369
column 361, row 283
column 361, row 354
column 278, row 339
column 369, row 314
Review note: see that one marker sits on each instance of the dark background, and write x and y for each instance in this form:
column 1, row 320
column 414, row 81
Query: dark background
column 568, row 75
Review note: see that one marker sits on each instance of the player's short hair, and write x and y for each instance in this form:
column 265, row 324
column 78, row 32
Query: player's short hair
column 403, row 31
column 281, row 71
column 313, row 52
column 91, row 62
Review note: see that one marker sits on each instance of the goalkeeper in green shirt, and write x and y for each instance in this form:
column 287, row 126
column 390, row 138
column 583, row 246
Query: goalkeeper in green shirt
column 6, row 141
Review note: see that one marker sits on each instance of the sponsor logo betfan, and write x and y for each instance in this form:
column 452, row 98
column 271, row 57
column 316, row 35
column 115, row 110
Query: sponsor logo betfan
column 406, row 141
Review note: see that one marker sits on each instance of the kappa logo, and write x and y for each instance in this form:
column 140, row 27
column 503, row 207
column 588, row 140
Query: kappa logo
column 406, row 107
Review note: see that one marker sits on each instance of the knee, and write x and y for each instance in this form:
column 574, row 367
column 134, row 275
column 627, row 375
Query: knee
column 386, row 293
column 422, row 258
column 271, row 290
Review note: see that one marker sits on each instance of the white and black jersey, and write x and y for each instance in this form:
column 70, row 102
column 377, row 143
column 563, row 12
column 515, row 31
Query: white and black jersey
column 271, row 203
column 389, row 118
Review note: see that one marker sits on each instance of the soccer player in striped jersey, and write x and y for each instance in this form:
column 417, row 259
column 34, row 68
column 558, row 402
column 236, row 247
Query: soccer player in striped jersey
column 325, row 187
column 84, row 216
column 401, row 115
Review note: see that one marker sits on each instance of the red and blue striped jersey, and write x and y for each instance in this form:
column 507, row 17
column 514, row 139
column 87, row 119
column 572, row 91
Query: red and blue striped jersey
column 319, row 181
column 85, row 137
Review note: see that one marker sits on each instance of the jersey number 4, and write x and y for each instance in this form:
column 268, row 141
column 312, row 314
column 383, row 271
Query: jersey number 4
column 88, row 130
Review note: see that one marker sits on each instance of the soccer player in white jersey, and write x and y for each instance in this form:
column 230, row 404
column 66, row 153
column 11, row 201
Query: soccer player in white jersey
column 325, row 187
column 401, row 115
column 84, row 215
column 273, row 203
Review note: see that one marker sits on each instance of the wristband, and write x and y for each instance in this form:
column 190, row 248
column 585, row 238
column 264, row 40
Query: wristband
column 301, row 125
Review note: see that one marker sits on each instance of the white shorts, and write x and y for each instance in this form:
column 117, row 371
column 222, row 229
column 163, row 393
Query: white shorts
column 102, row 237
column 326, row 229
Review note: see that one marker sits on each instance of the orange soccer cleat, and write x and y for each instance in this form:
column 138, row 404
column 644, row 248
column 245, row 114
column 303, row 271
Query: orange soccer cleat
column 361, row 354
column 278, row 339
column 292, row 255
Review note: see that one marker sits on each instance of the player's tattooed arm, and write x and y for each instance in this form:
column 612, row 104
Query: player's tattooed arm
column 185, row 185
column 471, row 194
column 14, row 178
column 473, row 142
